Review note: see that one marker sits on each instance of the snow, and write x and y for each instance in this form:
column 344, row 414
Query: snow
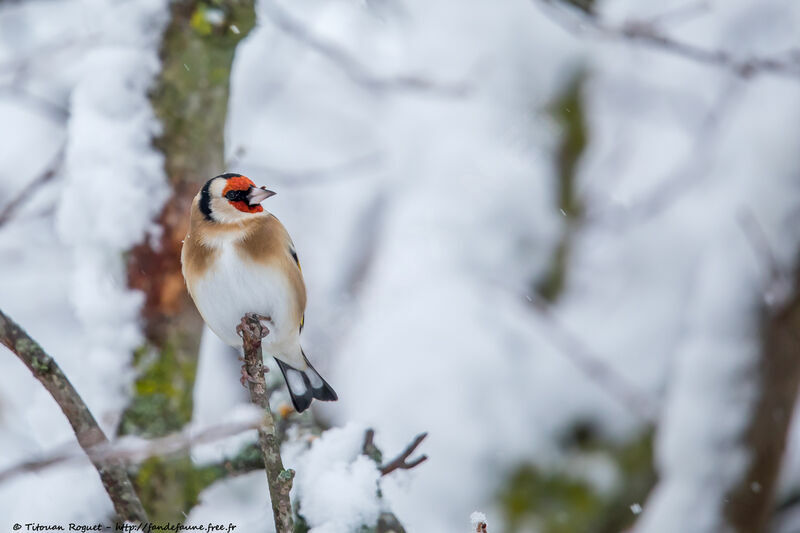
column 336, row 485
column 240, row 500
column 423, row 217
column 477, row 518
column 455, row 218
column 61, row 254
column 405, row 259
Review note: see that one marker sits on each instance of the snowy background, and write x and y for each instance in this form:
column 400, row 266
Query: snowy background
column 544, row 243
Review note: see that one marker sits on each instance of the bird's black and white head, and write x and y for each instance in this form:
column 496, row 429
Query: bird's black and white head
column 231, row 198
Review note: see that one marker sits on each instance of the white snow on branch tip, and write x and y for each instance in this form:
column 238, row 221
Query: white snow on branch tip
column 477, row 518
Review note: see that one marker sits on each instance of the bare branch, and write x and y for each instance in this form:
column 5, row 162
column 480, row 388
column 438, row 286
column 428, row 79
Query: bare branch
column 279, row 480
column 682, row 13
column 593, row 367
column 48, row 174
column 349, row 65
column 680, row 180
column 400, row 461
column 44, row 368
column 646, row 33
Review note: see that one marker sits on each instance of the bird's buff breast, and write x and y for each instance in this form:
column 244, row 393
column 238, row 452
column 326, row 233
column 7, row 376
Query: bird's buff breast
column 234, row 286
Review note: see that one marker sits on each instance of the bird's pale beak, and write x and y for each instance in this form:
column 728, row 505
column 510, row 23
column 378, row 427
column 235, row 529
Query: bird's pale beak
column 256, row 195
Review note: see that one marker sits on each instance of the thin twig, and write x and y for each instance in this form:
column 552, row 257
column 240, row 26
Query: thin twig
column 112, row 472
column 646, row 33
column 48, row 174
column 279, row 480
column 682, row 13
column 351, row 67
column 593, row 367
column 400, row 461
column 679, row 180
column 779, row 285
column 53, row 111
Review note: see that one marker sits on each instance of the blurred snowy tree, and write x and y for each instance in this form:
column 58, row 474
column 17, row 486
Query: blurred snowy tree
column 190, row 98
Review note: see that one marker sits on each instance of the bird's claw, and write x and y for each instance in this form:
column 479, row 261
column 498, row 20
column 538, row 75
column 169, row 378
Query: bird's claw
column 246, row 375
column 249, row 320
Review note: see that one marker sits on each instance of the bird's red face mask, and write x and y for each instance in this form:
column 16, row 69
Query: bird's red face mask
column 243, row 194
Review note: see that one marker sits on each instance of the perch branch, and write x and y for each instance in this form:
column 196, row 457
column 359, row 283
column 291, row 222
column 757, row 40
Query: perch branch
column 279, row 480
column 399, row 463
column 112, row 472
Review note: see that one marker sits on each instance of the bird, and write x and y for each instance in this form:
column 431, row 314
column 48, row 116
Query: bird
column 237, row 259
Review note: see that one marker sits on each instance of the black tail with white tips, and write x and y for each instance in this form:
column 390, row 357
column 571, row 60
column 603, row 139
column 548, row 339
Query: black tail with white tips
column 305, row 385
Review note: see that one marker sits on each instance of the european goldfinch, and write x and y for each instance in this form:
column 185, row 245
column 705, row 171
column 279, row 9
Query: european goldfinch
column 238, row 258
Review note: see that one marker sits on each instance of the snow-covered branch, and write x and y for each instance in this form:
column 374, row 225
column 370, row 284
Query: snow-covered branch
column 133, row 451
column 748, row 505
column 90, row 436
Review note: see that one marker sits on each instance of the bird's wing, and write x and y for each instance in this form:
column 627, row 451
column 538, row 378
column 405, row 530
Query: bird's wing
column 268, row 243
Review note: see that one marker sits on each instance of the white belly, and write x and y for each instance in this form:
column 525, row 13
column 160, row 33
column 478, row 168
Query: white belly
column 236, row 286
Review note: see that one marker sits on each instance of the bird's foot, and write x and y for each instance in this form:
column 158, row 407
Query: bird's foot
column 246, row 375
column 255, row 324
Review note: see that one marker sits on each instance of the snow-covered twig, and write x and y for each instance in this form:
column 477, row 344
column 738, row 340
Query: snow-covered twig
column 134, row 451
column 279, row 479
column 350, row 66
column 112, row 472
column 478, row 520
column 647, row 33
column 400, row 463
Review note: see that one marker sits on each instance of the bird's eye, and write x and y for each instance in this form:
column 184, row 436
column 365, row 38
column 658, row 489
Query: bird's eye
column 236, row 196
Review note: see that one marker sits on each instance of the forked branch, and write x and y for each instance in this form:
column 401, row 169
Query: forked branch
column 400, row 462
